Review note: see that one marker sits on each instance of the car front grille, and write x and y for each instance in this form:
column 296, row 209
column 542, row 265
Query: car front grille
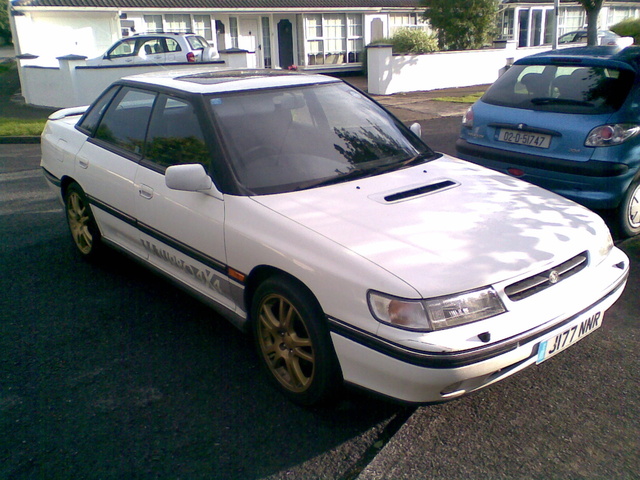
column 543, row 280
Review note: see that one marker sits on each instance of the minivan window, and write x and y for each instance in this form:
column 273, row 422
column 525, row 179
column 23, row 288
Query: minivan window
column 561, row 88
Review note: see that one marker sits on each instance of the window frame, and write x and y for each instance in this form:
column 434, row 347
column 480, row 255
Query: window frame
column 161, row 102
column 322, row 34
column 112, row 105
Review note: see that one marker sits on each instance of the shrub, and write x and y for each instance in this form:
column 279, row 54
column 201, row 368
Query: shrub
column 415, row 41
column 628, row 28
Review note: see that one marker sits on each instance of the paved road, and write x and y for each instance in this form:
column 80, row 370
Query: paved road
column 107, row 371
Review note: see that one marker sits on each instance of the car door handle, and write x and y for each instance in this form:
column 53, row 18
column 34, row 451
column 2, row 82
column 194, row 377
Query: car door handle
column 146, row 192
column 83, row 163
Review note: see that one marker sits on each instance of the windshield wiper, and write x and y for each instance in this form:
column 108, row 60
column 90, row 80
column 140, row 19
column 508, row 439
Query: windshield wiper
column 559, row 101
column 341, row 177
column 369, row 172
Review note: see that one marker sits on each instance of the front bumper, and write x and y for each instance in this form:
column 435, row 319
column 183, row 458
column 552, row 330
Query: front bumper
column 419, row 376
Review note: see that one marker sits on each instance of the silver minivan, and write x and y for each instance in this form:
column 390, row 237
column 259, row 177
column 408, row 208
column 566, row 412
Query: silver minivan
column 157, row 48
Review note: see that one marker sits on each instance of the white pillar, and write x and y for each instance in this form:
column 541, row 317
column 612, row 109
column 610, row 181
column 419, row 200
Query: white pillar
column 379, row 70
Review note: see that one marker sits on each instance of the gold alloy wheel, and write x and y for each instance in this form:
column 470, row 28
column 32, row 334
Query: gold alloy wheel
column 285, row 343
column 79, row 222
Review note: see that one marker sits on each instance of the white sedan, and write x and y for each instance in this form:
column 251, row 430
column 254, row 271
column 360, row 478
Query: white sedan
column 305, row 213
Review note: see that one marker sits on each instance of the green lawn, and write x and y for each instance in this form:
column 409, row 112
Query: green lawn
column 471, row 98
column 16, row 127
column 16, row 118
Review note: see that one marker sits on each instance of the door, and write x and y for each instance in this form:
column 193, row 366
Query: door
column 151, row 50
column 285, row 43
column 107, row 165
column 248, row 34
column 182, row 232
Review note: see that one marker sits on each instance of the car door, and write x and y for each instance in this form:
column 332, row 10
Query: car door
column 122, row 53
column 173, row 52
column 106, row 164
column 183, row 232
column 151, row 50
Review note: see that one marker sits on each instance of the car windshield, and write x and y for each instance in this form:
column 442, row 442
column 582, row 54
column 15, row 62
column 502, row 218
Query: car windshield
column 561, row 88
column 287, row 139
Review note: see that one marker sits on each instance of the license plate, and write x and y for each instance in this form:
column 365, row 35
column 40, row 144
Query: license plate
column 524, row 138
column 574, row 332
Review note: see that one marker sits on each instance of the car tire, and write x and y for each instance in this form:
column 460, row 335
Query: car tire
column 293, row 342
column 629, row 211
column 82, row 225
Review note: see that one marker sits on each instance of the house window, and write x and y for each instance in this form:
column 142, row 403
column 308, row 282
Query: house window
column 333, row 38
column 178, row 23
column 399, row 21
column 569, row 19
column 233, row 31
column 266, row 42
column 202, row 26
column 355, row 43
column 506, row 24
column 548, row 27
column 153, row 23
column 618, row 14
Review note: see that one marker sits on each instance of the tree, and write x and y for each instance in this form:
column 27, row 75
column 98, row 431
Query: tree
column 5, row 29
column 592, row 7
column 462, row 24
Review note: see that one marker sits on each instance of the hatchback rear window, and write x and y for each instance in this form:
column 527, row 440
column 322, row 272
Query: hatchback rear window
column 561, row 88
column 197, row 43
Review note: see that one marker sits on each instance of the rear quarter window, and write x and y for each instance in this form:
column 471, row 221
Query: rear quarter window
column 561, row 88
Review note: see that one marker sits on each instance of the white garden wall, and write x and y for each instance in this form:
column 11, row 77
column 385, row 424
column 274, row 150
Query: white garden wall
column 389, row 74
column 72, row 83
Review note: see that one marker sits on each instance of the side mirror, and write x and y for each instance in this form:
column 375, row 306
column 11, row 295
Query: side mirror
column 416, row 129
column 189, row 178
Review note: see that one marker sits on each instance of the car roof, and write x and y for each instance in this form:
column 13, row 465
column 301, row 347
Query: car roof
column 205, row 80
column 605, row 56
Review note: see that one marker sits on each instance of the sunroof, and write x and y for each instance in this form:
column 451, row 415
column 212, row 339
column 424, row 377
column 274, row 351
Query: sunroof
column 222, row 76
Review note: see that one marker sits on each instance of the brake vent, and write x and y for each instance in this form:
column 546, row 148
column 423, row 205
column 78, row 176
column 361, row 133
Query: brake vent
column 414, row 192
column 532, row 285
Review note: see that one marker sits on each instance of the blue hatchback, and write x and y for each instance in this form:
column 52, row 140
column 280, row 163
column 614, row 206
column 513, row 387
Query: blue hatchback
column 567, row 120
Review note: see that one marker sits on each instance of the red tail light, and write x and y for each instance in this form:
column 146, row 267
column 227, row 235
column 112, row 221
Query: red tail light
column 191, row 58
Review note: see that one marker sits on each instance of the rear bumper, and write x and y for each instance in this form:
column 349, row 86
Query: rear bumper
column 594, row 184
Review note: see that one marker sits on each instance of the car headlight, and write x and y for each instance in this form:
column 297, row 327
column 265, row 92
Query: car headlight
column 606, row 245
column 609, row 135
column 435, row 313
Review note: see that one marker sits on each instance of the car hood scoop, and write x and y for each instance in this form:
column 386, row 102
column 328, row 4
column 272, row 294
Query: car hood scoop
column 461, row 227
column 412, row 192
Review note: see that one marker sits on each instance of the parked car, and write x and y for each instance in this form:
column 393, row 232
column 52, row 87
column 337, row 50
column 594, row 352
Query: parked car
column 305, row 213
column 605, row 37
column 566, row 120
column 157, row 48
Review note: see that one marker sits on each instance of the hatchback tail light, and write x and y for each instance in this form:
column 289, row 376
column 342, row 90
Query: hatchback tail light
column 467, row 119
column 191, row 58
column 608, row 135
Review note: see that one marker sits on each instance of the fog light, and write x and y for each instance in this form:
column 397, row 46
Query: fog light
column 453, row 388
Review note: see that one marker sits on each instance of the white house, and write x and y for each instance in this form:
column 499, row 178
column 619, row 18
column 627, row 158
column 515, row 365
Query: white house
column 54, row 37
column 279, row 33
column 530, row 23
